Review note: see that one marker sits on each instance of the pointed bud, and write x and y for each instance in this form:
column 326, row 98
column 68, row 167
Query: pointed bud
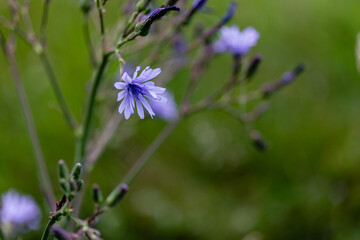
column 229, row 14
column 76, row 172
column 253, row 67
column 97, row 194
column 116, row 195
column 63, row 170
column 286, row 79
column 196, row 6
column 143, row 27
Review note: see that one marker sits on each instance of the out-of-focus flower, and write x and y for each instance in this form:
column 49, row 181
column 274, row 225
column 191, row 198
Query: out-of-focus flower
column 138, row 89
column 18, row 213
column 235, row 41
column 166, row 111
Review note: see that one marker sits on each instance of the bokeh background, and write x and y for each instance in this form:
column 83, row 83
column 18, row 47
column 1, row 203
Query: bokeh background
column 208, row 181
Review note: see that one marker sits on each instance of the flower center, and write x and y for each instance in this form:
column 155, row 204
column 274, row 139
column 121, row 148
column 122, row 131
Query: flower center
column 134, row 89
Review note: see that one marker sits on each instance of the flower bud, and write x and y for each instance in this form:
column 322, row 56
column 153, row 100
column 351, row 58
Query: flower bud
column 141, row 5
column 286, row 79
column 63, row 170
column 253, row 67
column 116, row 195
column 97, row 194
column 196, row 6
column 76, row 172
column 229, row 14
column 64, row 185
column 143, row 27
column 86, row 5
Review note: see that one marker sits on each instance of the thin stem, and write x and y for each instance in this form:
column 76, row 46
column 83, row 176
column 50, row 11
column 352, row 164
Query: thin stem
column 44, row 21
column 101, row 18
column 52, row 221
column 58, row 93
column 88, row 41
column 146, row 156
column 43, row 176
column 83, row 135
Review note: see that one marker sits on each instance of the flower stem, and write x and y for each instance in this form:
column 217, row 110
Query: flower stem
column 84, row 132
column 52, row 221
column 44, row 21
column 88, row 41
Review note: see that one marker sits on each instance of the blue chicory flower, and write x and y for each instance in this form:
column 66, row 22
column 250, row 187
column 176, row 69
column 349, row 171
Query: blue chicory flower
column 235, row 41
column 138, row 89
column 18, row 213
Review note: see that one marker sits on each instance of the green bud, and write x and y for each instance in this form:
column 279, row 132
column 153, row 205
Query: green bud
column 143, row 28
column 64, row 184
column 72, row 188
column 97, row 194
column 86, row 5
column 141, row 5
column 116, row 195
column 76, row 172
column 63, row 170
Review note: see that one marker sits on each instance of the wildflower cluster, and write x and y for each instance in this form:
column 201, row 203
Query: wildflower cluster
column 163, row 29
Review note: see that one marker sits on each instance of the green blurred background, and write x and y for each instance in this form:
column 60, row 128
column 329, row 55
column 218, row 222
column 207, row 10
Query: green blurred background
column 208, row 181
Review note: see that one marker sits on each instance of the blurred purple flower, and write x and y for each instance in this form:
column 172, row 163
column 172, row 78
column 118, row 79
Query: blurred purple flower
column 166, row 111
column 138, row 89
column 18, row 213
column 235, row 41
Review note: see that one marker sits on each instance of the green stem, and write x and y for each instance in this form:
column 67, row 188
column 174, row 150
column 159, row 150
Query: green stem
column 88, row 40
column 44, row 21
column 52, row 221
column 84, row 132
column 56, row 87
